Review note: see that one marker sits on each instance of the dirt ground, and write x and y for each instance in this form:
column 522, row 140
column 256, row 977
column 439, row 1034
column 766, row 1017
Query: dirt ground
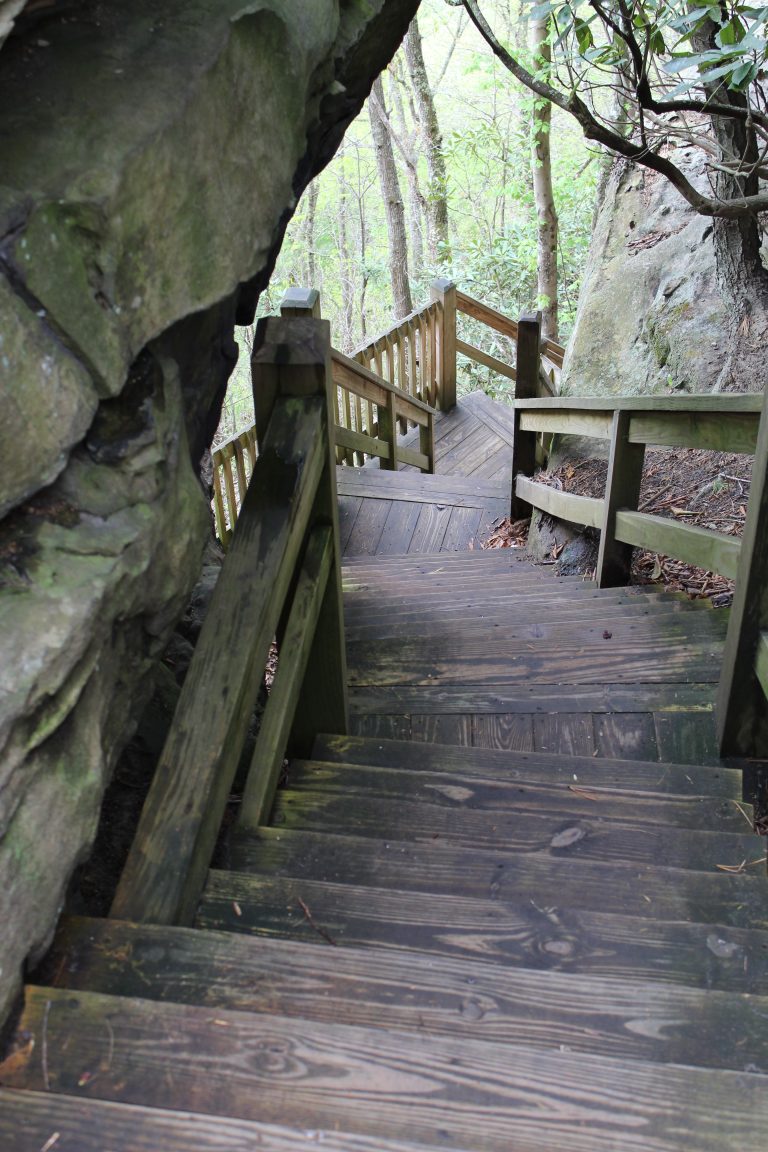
column 710, row 489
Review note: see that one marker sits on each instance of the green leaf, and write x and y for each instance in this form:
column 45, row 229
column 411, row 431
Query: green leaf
column 730, row 33
column 743, row 76
column 583, row 35
column 657, row 44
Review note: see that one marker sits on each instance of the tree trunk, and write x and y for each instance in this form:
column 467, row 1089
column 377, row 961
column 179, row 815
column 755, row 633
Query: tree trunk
column 541, row 169
column 741, row 276
column 393, row 203
column 309, row 236
column 416, row 201
column 437, row 193
column 346, row 276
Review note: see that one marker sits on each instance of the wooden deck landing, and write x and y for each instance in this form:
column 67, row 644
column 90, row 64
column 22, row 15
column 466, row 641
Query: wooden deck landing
column 384, row 513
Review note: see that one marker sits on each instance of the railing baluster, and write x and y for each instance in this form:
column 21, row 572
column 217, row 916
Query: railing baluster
column 526, row 388
column 625, row 474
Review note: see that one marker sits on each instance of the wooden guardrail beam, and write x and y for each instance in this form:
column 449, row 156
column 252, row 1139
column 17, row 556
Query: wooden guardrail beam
column 742, row 710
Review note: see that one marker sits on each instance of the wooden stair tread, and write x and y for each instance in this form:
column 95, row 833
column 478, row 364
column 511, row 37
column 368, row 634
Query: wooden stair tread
column 435, row 1089
column 432, row 996
column 600, row 696
column 559, row 833
column 52, row 1122
column 591, row 797
column 645, row 891
column 522, row 933
column 425, row 488
column 498, row 764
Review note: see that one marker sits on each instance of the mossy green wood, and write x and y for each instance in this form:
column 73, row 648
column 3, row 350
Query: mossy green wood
column 292, row 663
column 586, row 510
column 742, row 711
column 172, row 849
column 713, row 551
column 722, row 431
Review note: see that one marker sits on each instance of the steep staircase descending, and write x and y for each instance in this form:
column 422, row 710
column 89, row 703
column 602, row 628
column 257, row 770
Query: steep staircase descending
column 443, row 945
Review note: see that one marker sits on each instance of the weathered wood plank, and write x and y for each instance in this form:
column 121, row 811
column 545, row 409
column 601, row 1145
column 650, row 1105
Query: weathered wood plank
column 29, row 1121
column 566, row 733
column 565, row 505
column 427, row 489
column 632, row 890
column 392, row 727
column 494, row 698
column 486, row 315
column 729, row 431
column 687, row 737
column 462, row 529
column 457, row 790
column 713, row 551
column 349, row 506
column 368, row 528
column 594, row 424
column 703, row 402
column 293, row 659
column 431, row 527
column 545, row 1010
column 489, row 763
column 566, row 830
column 170, row 854
column 398, row 530
column 315, row 1075
column 509, row 731
column 511, row 931
column 435, row 729
column 742, row 724
column 627, row 736
column 484, row 358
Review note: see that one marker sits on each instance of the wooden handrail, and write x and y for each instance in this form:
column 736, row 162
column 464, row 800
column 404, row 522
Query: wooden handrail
column 721, row 423
column 365, row 383
column 291, row 499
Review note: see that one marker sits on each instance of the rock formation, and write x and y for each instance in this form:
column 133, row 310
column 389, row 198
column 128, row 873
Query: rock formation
column 150, row 159
column 651, row 317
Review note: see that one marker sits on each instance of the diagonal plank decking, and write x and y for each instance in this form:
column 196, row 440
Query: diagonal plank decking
column 383, row 512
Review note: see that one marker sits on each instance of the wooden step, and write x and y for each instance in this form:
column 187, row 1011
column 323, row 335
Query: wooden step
column 530, row 607
column 414, row 993
column 646, row 891
column 495, row 697
column 435, row 1090
column 376, row 483
column 523, row 934
column 51, row 1122
column 493, row 764
column 479, row 661
column 536, row 620
column 590, row 798
column 558, row 833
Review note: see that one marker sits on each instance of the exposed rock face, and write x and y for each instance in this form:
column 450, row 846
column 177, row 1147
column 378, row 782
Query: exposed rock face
column 150, row 158
column 650, row 315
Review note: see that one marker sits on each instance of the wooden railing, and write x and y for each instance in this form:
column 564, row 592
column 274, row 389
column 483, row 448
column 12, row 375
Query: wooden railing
column 550, row 355
column 394, row 383
column 722, row 423
column 281, row 576
column 742, row 697
column 726, row 423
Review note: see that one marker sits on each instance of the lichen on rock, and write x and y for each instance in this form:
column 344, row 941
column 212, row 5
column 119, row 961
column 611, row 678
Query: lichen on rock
column 150, row 159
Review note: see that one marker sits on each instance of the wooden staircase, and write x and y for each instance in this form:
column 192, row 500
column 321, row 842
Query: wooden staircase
column 517, row 905
column 436, row 946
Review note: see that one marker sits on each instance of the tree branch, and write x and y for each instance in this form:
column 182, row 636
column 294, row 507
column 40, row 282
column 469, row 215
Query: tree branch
column 593, row 129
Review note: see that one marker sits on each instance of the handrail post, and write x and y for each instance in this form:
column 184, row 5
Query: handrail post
column 444, row 292
column 622, row 490
column 741, row 710
column 296, row 302
column 526, row 388
column 323, row 700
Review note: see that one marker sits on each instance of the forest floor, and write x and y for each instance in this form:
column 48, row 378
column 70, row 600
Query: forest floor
column 710, row 489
